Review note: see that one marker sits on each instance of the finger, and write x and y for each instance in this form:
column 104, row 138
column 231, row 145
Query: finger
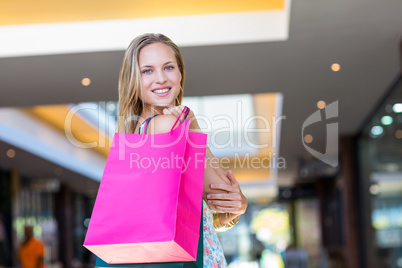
column 231, row 196
column 227, row 204
column 226, row 187
column 179, row 110
column 231, row 177
column 166, row 111
column 173, row 111
column 220, row 186
column 225, row 209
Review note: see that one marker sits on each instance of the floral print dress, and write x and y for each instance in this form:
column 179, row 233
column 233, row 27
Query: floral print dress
column 213, row 254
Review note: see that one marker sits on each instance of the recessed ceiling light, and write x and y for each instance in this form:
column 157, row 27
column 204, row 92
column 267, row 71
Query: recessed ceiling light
column 377, row 130
column 374, row 189
column 335, row 67
column 398, row 134
column 86, row 82
column 308, row 138
column 111, row 107
column 397, row 108
column 321, row 104
column 386, row 120
column 11, row 153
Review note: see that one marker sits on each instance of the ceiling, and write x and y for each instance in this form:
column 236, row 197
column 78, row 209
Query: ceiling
column 362, row 36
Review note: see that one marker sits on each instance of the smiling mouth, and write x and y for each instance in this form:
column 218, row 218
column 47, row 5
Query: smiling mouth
column 161, row 91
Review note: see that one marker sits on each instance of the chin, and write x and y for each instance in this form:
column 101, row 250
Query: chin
column 164, row 104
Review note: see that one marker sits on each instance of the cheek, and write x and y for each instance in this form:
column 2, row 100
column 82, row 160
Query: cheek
column 177, row 77
column 146, row 81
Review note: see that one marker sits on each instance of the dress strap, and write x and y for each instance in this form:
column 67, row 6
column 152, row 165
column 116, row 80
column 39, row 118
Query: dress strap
column 140, row 130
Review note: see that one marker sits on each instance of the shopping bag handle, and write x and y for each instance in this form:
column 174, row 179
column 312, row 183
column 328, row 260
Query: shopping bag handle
column 186, row 110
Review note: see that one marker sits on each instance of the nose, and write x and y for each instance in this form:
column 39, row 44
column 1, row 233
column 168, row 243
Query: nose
column 160, row 77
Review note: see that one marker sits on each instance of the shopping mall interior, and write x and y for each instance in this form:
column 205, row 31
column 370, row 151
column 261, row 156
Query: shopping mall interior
column 302, row 100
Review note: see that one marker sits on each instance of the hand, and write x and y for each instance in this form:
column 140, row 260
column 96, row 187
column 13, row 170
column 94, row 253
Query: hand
column 233, row 201
column 176, row 110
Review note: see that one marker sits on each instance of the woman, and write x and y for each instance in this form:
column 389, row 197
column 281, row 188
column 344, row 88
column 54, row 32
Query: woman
column 151, row 87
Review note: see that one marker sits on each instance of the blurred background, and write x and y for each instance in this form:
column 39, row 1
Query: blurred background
column 319, row 83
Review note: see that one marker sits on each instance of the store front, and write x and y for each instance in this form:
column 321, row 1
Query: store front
column 380, row 175
column 58, row 214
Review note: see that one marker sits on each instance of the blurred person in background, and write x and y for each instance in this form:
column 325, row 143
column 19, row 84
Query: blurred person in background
column 296, row 258
column 32, row 251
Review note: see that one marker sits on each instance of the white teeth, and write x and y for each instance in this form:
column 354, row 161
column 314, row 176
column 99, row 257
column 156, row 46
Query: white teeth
column 161, row 90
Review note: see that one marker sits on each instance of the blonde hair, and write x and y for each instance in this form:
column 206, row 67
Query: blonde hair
column 130, row 104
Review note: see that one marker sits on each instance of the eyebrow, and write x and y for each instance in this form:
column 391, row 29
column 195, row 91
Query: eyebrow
column 152, row 66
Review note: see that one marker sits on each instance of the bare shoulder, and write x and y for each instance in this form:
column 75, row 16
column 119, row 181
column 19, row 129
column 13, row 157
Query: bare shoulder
column 161, row 124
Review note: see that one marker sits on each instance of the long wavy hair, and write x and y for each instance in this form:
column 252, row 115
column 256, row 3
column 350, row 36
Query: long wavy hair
column 130, row 87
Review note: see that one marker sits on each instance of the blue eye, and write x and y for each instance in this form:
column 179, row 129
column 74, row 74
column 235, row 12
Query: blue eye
column 169, row 68
column 146, row 71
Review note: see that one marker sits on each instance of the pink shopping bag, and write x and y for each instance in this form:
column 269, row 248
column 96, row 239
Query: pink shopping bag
column 148, row 206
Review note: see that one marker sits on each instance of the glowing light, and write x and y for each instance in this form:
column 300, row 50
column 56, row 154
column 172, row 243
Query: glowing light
column 264, row 234
column 377, row 130
column 398, row 134
column 375, row 189
column 111, row 107
column 86, row 82
column 11, row 153
column 308, row 138
column 335, row 67
column 111, row 35
column 397, row 108
column 321, row 104
column 271, row 225
column 386, row 120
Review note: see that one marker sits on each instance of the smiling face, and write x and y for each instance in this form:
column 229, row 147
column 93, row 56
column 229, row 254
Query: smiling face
column 160, row 75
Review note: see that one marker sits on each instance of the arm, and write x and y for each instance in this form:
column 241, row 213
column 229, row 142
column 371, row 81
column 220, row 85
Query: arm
column 213, row 174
